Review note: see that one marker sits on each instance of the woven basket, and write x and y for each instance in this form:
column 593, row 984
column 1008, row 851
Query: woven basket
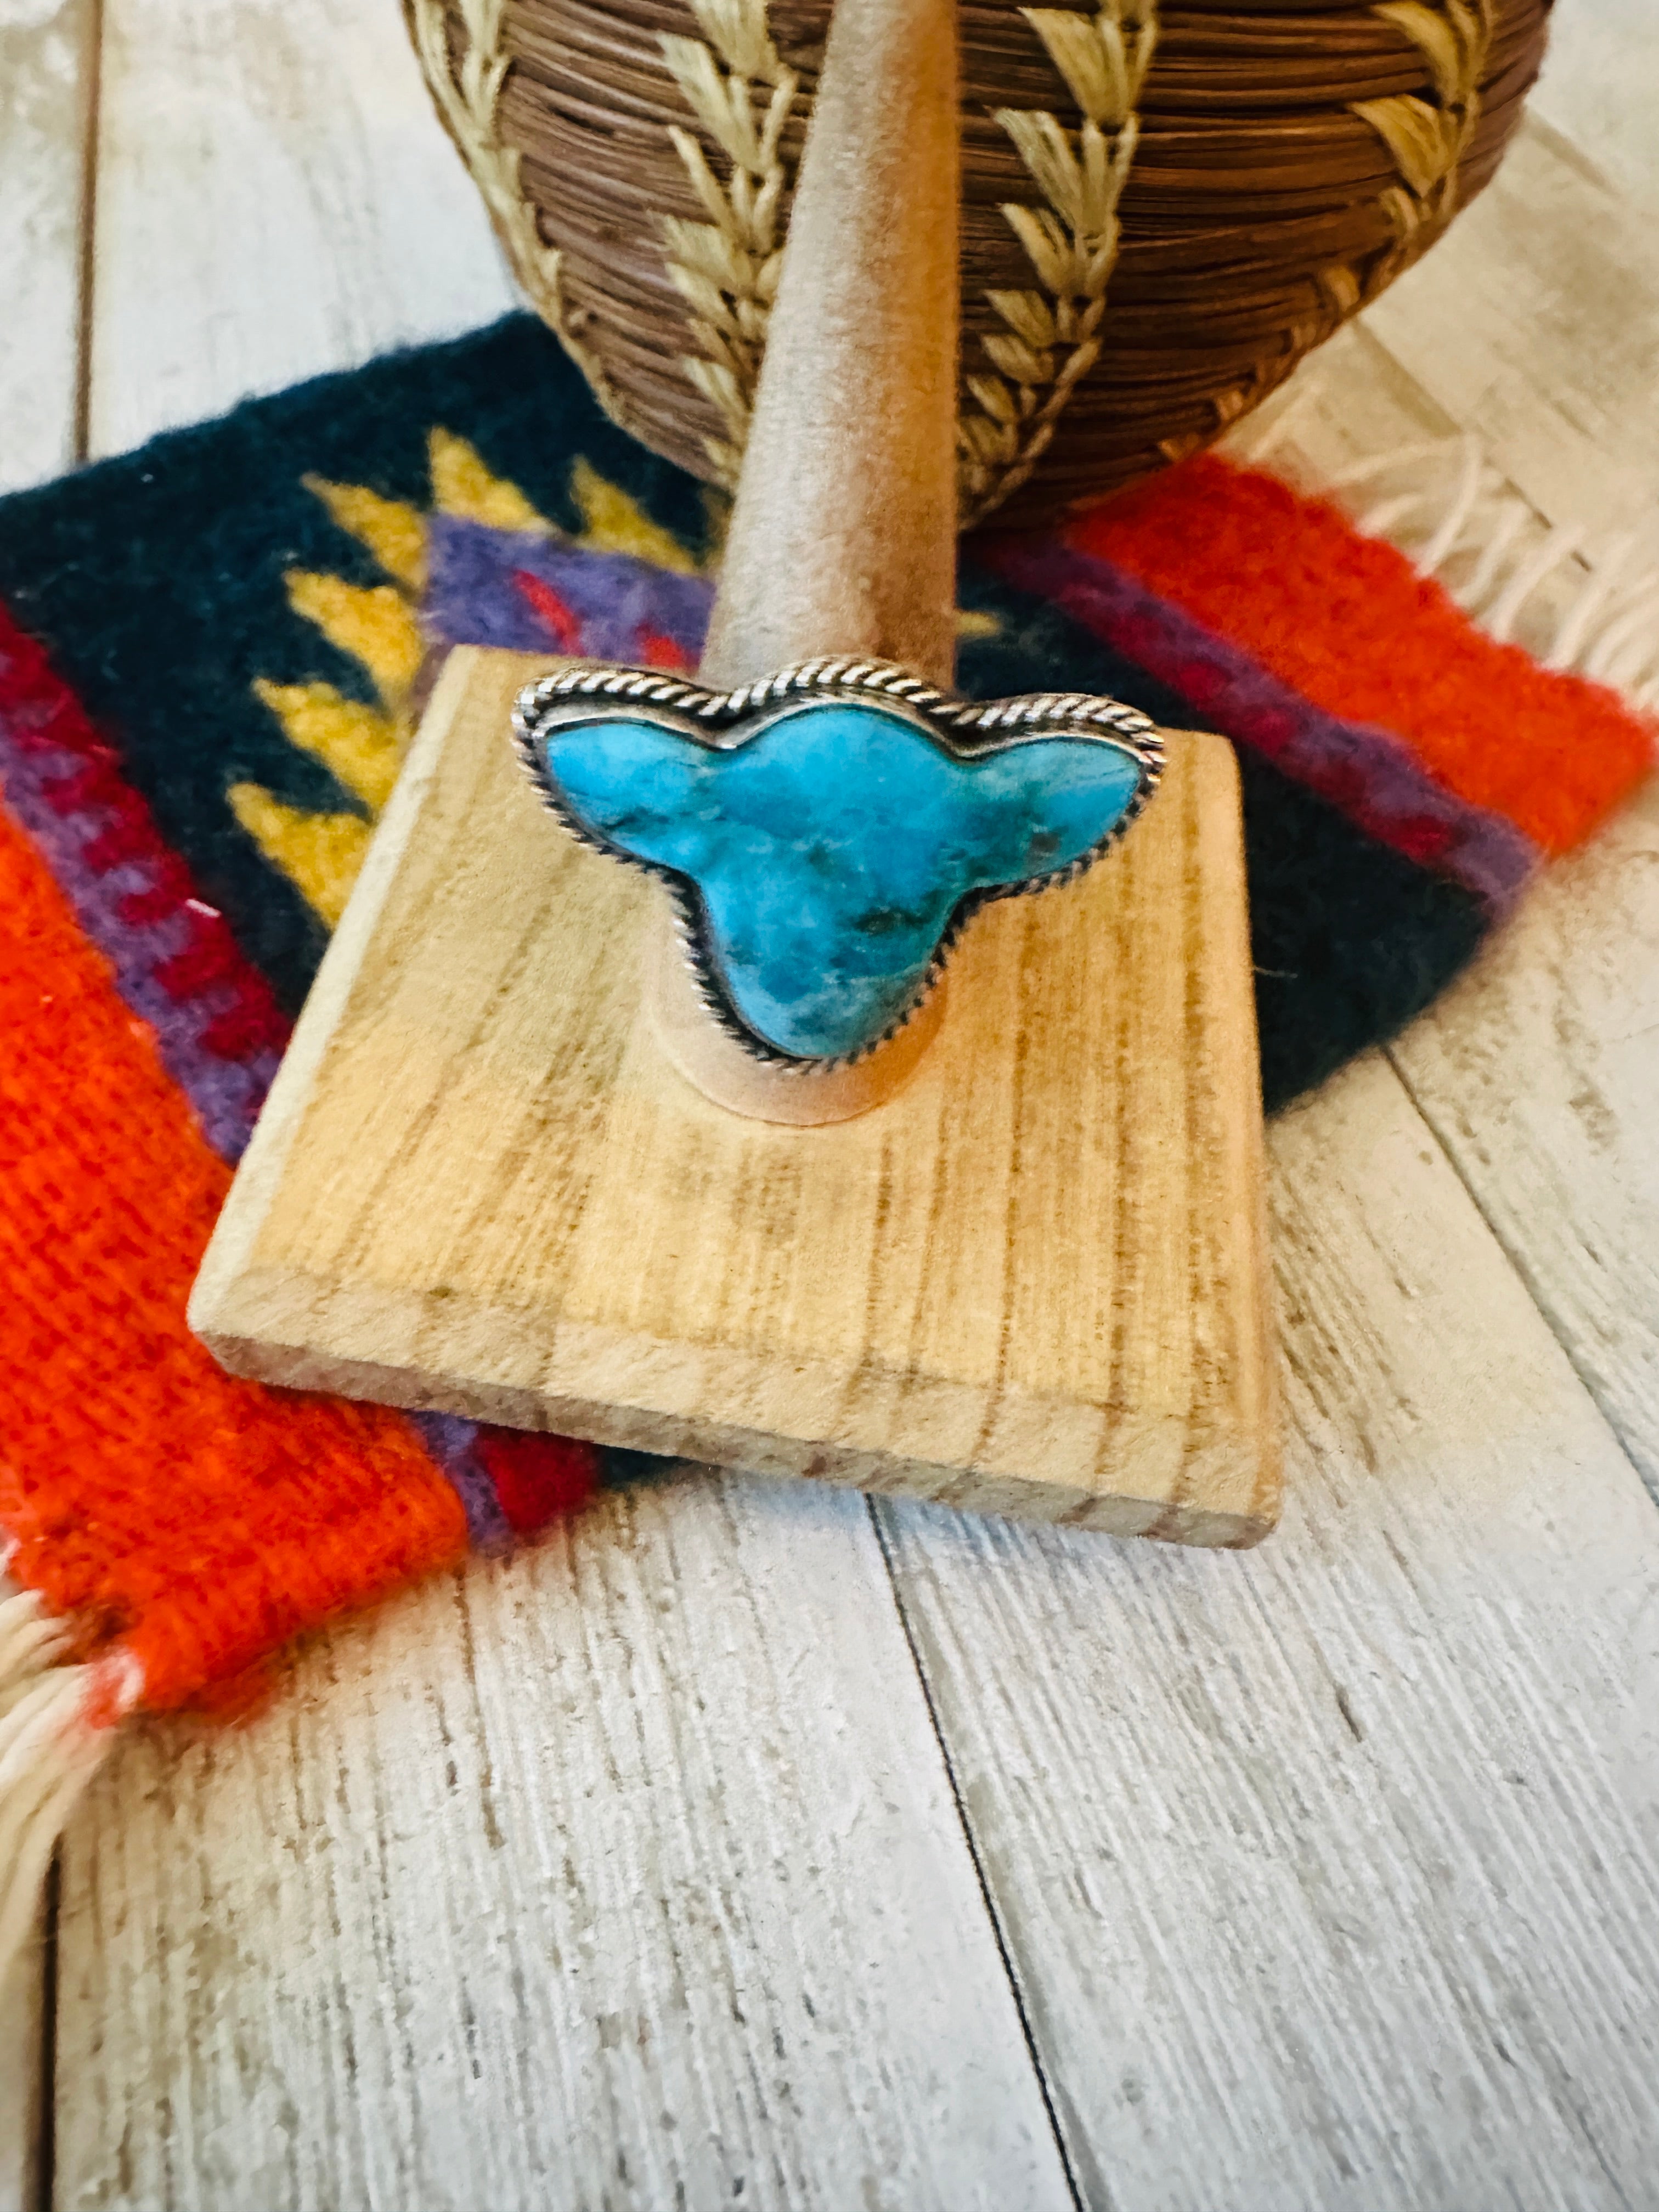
column 1164, row 206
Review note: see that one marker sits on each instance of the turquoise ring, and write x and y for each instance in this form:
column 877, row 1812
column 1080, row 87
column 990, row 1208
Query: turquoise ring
column 827, row 832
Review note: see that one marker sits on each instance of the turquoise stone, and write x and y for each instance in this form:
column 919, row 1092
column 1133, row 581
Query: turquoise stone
column 831, row 850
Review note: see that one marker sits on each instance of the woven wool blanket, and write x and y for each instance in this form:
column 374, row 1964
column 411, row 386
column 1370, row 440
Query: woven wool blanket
column 211, row 653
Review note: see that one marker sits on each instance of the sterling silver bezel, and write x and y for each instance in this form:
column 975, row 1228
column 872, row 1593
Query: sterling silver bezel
column 967, row 729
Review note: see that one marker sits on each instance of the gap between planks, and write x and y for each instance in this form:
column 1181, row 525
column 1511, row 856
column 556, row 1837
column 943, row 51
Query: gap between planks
column 631, row 1861
column 85, row 259
column 1346, row 1895
column 1320, row 1870
column 1542, row 1138
column 201, row 398
column 1534, row 1072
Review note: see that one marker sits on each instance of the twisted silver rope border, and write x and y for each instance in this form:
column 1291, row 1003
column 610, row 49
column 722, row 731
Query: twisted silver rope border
column 988, row 726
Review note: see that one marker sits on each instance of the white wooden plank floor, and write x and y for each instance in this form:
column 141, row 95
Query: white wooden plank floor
column 746, row 1846
column 45, row 80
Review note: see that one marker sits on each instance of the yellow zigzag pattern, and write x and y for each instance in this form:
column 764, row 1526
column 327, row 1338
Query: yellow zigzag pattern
column 378, row 626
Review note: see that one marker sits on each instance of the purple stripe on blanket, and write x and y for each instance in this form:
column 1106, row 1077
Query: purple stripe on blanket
column 226, row 1094
column 474, row 598
column 1372, row 775
column 450, row 1438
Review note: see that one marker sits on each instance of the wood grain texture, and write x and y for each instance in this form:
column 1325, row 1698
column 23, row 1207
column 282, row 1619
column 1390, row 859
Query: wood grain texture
column 1532, row 325
column 275, row 200
column 21, row 1997
column 624, row 1875
column 1599, row 89
column 22, row 2004
column 1537, row 1074
column 1329, row 1875
column 1538, row 1071
column 45, row 81
column 1030, row 1283
column 1537, row 323
column 45, row 78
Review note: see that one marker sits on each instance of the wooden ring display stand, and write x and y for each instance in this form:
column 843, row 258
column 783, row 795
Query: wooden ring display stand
column 1030, row 1280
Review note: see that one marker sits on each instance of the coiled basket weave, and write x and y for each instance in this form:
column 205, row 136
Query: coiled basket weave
column 1165, row 206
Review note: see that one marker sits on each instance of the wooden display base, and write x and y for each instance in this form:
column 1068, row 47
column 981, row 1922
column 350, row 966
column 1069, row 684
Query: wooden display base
column 1032, row 1282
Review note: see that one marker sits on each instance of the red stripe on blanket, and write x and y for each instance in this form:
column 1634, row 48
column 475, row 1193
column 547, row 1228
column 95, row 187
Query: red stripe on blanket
column 199, row 1520
column 1349, row 622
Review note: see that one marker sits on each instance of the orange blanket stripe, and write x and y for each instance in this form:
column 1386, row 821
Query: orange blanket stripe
column 199, row 1520
column 1353, row 626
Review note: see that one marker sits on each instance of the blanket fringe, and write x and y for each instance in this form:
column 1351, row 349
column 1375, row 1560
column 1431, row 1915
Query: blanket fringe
column 1586, row 606
column 58, row 1720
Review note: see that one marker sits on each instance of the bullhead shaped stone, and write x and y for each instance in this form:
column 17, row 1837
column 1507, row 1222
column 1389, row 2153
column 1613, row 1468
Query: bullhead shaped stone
column 827, row 839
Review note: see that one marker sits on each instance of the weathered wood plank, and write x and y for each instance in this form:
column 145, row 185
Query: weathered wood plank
column 1531, row 324
column 1535, row 322
column 1538, row 1074
column 22, row 2006
column 22, row 1992
column 45, row 77
column 1389, row 1938
column 45, row 81
column 1600, row 89
column 627, row 1875
column 1328, row 1872
column 275, row 199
